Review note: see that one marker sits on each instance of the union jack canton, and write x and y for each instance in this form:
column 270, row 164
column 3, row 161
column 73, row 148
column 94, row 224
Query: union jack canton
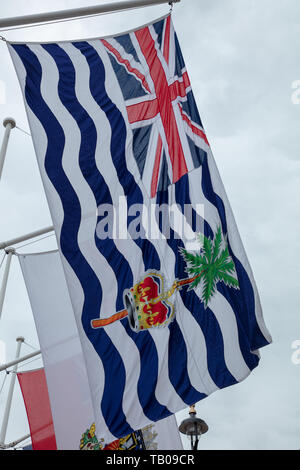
column 159, row 102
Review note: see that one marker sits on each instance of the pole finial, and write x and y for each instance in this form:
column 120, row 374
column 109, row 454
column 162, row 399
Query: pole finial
column 10, row 249
column 192, row 409
column 9, row 120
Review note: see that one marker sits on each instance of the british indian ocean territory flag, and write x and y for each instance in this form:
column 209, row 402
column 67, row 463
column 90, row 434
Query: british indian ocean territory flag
column 165, row 318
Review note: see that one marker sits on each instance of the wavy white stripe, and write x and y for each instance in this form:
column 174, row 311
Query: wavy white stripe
column 236, row 242
column 227, row 321
column 197, row 197
column 213, row 219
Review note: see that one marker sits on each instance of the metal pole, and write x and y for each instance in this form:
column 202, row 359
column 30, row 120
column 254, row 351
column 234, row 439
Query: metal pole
column 79, row 12
column 10, row 252
column 19, row 340
column 22, row 238
column 9, row 124
column 14, row 443
column 21, row 359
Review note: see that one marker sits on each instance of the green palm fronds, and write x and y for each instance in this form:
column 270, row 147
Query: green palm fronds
column 211, row 265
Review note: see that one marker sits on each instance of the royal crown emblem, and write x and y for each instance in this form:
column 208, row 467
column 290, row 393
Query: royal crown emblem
column 147, row 303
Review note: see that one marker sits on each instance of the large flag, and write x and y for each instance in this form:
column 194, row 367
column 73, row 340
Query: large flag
column 164, row 298
column 66, row 389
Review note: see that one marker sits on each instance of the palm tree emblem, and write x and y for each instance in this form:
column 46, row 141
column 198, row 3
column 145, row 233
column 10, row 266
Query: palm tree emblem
column 212, row 264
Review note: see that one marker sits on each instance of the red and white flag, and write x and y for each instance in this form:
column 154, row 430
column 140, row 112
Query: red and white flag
column 36, row 398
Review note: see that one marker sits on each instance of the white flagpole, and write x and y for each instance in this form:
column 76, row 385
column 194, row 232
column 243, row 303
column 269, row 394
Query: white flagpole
column 10, row 252
column 23, row 238
column 18, row 360
column 14, row 443
column 19, row 340
column 79, row 12
column 9, row 124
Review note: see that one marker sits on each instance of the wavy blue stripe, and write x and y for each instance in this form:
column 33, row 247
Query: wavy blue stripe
column 148, row 381
column 144, row 342
column 242, row 301
column 118, row 144
column 87, row 163
column 111, row 403
column 178, row 371
column 204, row 317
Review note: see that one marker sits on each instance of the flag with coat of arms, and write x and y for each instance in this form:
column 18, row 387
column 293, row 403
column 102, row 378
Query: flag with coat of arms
column 164, row 298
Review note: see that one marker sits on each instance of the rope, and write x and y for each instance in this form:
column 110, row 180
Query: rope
column 22, row 130
column 35, row 241
column 3, row 259
column 29, row 362
column 24, row 444
column 23, row 365
column 4, row 381
column 32, row 347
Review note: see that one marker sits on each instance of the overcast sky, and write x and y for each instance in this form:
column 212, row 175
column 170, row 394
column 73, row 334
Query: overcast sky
column 243, row 58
